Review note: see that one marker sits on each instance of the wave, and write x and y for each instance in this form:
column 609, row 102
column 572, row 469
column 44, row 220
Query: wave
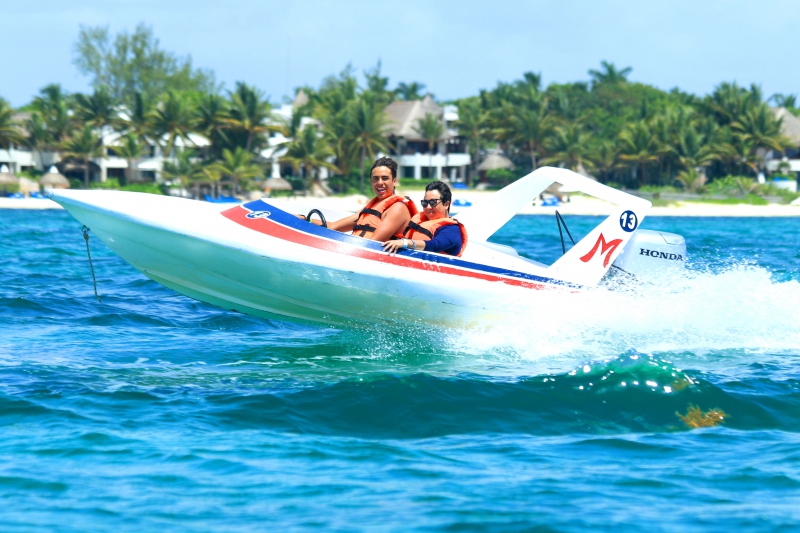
column 632, row 393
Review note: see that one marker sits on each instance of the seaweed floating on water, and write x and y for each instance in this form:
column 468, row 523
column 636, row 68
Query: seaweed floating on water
column 696, row 418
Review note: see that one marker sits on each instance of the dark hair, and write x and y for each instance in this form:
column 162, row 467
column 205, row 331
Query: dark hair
column 443, row 189
column 387, row 162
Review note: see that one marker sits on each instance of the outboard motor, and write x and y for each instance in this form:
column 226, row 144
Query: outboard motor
column 652, row 254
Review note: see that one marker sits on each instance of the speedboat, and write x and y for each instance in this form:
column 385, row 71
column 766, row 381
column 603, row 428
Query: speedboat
column 259, row 258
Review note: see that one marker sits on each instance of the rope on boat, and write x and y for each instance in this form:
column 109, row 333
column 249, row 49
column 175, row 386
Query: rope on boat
column 560, row 221
column 85, row 231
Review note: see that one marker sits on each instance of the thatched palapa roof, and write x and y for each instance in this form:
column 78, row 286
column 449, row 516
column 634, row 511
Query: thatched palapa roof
column 6, row 177
column 277, row 184
column 790, row 127
column 495, row 160
column 404, row 116
column 54, row 180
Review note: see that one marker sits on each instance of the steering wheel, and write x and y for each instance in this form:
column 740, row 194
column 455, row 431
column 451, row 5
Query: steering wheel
column 321, row 217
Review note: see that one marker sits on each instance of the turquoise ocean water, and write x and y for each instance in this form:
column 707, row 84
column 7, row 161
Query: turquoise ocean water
column 150, row 411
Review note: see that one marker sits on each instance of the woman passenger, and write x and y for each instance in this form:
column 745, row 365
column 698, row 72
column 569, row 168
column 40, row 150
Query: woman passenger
column 432, row 230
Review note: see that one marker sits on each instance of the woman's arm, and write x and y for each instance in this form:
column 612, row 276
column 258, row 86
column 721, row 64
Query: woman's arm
column 444, row 239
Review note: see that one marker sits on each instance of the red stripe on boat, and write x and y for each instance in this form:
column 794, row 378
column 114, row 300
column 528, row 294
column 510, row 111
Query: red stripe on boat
column 275, row 229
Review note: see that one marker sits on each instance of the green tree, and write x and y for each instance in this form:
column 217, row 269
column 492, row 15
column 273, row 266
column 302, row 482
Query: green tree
column 473, row 122
column 85, row 145
column 430, row 128
column 309, row 152
column 212, row 114
column 571, row 146
column 638, row 147
column 237, row 165
column 250, row 113
column 37, row 135
column 135, row 63
column 137, row 118
column 527, row 126
column 691, row 180
column 410, row 91
column 131, row 148
column 9, row 126
column 52, row 105
column 183, row 169
column 789, row 101
column 173, row 117
column 378, row 84
column 97, row 110
column 367, row 129
column 609, row 74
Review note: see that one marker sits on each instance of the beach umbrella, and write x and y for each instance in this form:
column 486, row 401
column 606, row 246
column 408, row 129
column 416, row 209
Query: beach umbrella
column 6, row 177
column 54, row 179
column 277, row 184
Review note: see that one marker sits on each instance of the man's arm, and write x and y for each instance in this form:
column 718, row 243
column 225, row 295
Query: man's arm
column 394, row 219
column 343, row 224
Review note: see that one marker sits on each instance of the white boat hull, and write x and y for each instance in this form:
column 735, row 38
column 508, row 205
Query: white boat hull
column 259, row 260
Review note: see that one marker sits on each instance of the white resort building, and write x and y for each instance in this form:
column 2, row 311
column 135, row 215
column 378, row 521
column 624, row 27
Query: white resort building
column 787, row 163
column 448, row 160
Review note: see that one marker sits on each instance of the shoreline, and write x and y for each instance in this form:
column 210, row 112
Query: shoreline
column 578, row 205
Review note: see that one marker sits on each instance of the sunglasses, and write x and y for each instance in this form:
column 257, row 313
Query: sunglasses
column 432, row 203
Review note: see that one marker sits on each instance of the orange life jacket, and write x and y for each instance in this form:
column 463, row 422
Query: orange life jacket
column 422, row 229
column 369, row 218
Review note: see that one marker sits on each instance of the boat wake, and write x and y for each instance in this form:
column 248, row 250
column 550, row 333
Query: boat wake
column 739, row 308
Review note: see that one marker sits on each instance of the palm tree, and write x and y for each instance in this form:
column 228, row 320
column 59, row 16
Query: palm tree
column 692, row 180
column 571, row 146
column 606, row 158
column 130, row 147
column 250, row 113
column 692, row 149
column 430, row 128
column 237, row 165
column 367, row 125
column 309, row 151
column 9, row 127
column 97, row 110
column 336, row 126
column 37, row 136
column 212, row 113
column 174, row 118
column 473, row 121
column 52, row 106
column 410, row 91
column 84, row 146
column 760, row 127
column 789, row 101
column 183, row 170
column 528, row 126
column 609, row 74
column 138, row 118
column 638, row 147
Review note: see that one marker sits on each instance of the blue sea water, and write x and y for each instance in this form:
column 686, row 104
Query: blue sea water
column 150, row 411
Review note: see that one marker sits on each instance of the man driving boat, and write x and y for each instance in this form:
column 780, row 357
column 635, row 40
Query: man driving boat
column 386, row 215
column 433, row 230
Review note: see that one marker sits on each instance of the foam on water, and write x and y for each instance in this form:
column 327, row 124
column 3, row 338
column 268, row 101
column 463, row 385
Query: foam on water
column 740, row 307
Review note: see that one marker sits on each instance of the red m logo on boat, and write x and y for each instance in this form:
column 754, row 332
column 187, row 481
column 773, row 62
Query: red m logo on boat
column 606, row 248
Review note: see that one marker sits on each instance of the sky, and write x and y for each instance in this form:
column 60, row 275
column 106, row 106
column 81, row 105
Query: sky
column 454, row 47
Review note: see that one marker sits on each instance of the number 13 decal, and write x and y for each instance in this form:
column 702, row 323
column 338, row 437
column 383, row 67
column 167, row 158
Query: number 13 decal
column 628, row 221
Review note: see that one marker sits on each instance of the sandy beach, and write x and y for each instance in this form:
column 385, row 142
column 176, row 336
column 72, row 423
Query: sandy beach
column 578, row 205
